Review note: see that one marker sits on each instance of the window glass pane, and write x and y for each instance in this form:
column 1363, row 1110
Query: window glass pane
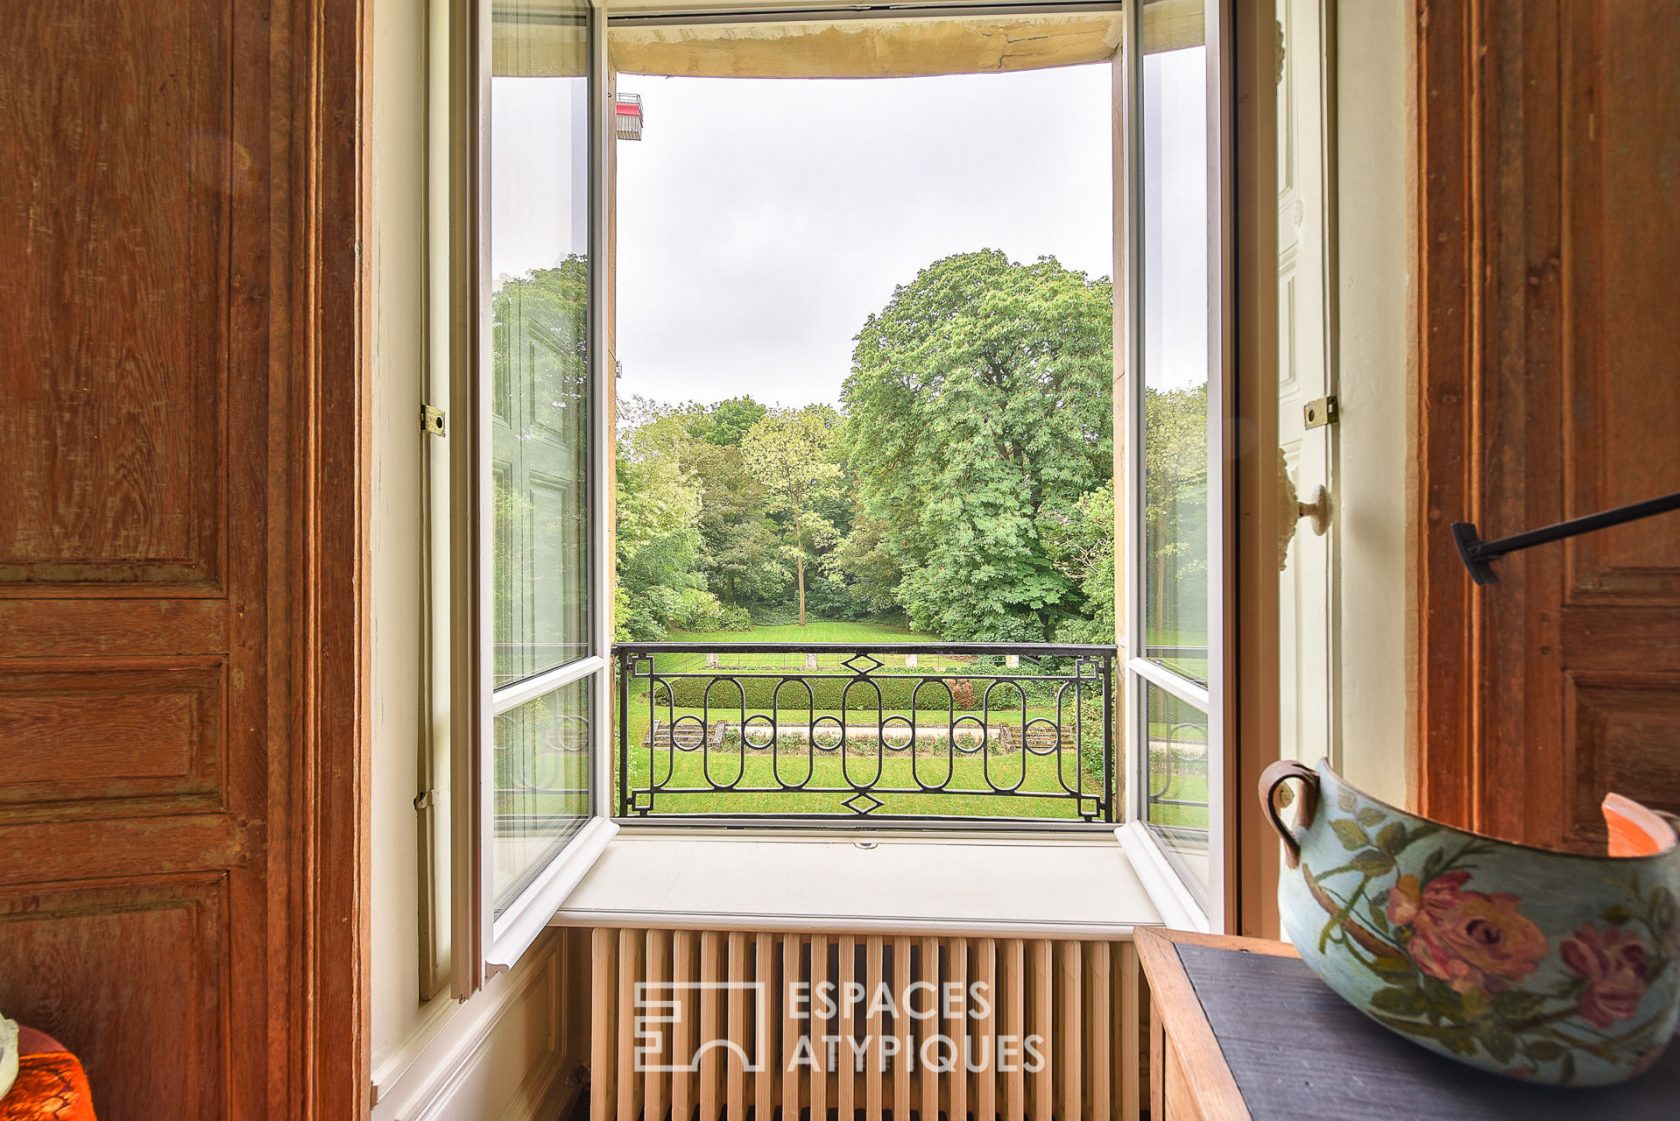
column 542, row 779
column 539, row 311
column 1175, row 340
column 1176, row 770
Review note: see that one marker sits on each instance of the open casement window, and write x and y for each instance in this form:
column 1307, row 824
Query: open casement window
column 538, row 682
column 1176, row 388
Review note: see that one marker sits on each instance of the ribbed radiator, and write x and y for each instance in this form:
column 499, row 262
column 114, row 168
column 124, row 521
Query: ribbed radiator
column 729, row 1023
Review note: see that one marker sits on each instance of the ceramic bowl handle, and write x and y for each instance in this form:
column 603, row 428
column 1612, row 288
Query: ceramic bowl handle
column 1275, row 776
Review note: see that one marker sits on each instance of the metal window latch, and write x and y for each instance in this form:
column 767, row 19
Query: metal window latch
column 1321, row 411
column 432, row 420
column 423, row 800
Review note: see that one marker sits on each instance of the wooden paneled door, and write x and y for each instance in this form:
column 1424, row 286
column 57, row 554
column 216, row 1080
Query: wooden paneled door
column 1549, row 377
column 182, row 492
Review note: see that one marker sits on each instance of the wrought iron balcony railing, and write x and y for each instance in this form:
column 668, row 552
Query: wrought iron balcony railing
column 836, row 732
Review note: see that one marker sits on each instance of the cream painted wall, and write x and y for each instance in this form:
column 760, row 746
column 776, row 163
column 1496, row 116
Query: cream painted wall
column 1375, row 437
column 508, row 1052
column 399, row 131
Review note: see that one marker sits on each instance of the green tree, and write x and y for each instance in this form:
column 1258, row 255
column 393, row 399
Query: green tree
column 867, row 567
column 658, row 539
column 1175, row 472
column 1080, row 543
column 788, row 454
column 979, row 403
column 740, row 556
column 726, row 422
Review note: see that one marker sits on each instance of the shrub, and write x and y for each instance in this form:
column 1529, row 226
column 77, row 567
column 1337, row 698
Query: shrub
column 644, row 628
column 735, row 618
column 697, row 610
column 775, row 616
column 826, row 693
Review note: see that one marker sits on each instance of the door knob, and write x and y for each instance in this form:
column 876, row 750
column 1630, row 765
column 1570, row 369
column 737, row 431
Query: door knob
column 1291, row 510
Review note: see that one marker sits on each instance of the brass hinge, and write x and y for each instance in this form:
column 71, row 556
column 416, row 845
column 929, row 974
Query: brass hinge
column 432, row 420
column 1324, row 410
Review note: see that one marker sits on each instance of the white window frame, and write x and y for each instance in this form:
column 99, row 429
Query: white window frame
column 1181, row 899
column 484, row 942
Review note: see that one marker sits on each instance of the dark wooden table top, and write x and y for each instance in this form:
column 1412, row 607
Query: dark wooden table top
column 1296, row 1050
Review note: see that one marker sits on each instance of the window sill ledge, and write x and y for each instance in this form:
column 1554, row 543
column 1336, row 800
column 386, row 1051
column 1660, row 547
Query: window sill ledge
column 1067, row 887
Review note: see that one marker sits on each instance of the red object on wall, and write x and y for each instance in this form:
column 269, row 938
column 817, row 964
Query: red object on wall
column 627, row 116
column 50, row 1086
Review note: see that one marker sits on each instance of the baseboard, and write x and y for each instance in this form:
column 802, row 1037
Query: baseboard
column 500, row 1055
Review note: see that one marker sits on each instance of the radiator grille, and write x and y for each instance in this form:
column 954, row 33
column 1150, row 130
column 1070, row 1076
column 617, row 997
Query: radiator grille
column 724, row 1024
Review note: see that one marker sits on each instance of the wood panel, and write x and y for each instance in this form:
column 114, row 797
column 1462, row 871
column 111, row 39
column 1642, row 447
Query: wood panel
column 100, row 741
column 1622, row 731
column 1549, row 218
column 1619, row 111
column 113, row 354
column 130, row 977
column 183, row 736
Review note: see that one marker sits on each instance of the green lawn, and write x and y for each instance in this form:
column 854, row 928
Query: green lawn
column 826, row 770
column 814, row 631
column 725, row 765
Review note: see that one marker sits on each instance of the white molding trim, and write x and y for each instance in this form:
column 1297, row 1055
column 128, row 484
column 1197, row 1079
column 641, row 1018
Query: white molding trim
column 1165, row 886
column 422, row 1080
column 393, row 1067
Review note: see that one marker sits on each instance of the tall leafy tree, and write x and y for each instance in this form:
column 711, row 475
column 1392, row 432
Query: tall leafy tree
column 980, row 401
column 726, row 422
column 657, row 543
column 1175, row 472
column 788, row 454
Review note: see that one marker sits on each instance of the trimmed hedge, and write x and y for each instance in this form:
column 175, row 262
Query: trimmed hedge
column 898, row 693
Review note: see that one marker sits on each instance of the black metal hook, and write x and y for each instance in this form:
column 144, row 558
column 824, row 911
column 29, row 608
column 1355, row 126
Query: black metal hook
column 1478, row 555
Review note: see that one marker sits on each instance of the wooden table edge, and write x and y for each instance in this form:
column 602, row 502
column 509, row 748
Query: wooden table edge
column 1214, row 1088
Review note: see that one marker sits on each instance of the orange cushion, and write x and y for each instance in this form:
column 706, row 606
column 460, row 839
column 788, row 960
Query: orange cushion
column 1635, row 830
column 50, row 1086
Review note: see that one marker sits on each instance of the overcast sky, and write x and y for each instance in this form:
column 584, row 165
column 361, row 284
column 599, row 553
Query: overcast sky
column 761, row 220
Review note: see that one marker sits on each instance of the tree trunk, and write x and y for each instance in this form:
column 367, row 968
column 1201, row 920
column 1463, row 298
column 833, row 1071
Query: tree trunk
column 801, row 560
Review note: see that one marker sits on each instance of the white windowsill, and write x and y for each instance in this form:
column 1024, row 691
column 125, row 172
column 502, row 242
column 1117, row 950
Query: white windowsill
column 1066, row 886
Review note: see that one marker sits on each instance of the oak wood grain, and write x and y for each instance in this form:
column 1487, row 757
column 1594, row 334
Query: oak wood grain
column 113, row 351
column 1187, row 1071
column 142, row 954
column 183, row 549
column 122, row 738
column 1549, row 218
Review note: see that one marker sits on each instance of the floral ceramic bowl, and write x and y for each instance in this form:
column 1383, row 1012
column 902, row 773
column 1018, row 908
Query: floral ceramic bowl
column 1547, row 966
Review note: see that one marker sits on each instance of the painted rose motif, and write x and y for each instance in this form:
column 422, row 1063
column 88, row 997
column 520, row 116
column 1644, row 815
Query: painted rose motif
column 1546, row 967
column 1471, row 940
column 1615, row 964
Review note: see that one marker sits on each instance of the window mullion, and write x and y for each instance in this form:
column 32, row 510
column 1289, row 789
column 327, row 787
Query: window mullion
column 510, row 697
